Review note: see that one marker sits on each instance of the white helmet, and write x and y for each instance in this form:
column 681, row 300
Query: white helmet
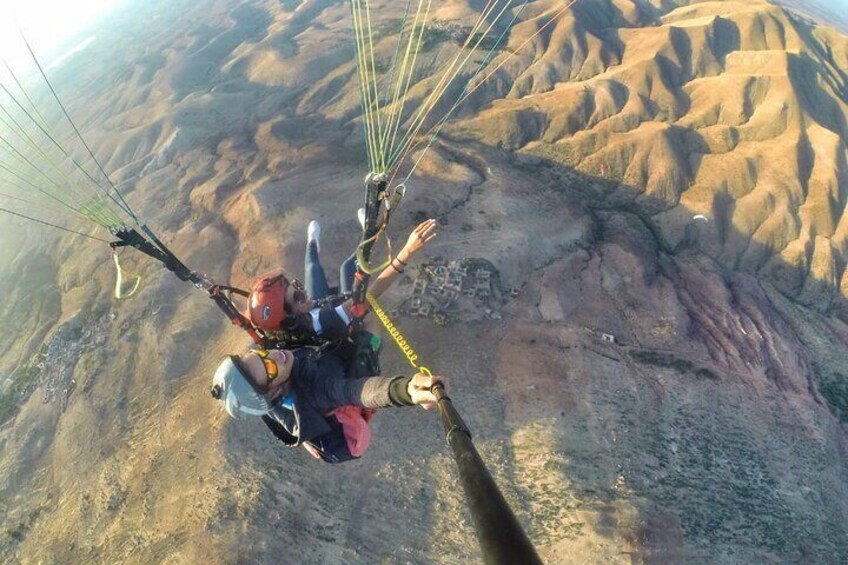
column 232, row 386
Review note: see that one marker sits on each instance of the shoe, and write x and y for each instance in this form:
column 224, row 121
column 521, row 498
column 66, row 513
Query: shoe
column 313, row 233
column 360, row 215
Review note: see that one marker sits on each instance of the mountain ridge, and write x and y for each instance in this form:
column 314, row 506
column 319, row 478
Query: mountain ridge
column 664, row 130
column 712, row 428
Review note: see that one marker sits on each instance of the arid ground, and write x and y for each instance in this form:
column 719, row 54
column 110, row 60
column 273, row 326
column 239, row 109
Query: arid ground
column 670, row 173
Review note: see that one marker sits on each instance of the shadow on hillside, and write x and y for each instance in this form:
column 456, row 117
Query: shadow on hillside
column 665, row 430
column 830, row 70
column 690, row 454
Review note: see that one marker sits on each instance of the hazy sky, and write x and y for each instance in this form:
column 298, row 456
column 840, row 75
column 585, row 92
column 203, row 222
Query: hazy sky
column 44, row 22
column 841, row 5
column 832, row 12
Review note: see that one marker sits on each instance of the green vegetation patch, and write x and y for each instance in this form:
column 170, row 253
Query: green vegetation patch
column 669, row 361
column 487, row 42
column 441, row 32
column 833, row 387
column 11, row 398
column 18, row 532
column 23, row 382
column 388, row 28
column 434, row 36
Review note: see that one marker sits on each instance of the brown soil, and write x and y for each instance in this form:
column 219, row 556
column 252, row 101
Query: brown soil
column 712, row 430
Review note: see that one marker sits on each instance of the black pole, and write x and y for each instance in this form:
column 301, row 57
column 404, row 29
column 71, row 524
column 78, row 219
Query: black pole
column 375, row 187
column 500, row 535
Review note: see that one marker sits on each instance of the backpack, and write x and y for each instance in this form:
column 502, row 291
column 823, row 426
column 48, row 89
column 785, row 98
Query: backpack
column 350, row 431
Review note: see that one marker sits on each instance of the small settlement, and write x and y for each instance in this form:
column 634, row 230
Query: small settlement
column 451, row 287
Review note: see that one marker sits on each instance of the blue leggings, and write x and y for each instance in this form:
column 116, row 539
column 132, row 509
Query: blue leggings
column 315, row 280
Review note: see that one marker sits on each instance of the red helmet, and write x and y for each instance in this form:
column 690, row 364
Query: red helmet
column 266, row 305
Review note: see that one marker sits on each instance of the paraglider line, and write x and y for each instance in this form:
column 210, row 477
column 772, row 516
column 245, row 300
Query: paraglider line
column 519, row 48
column 438, row 126
column 62, row 150
column 446, row 80
column 73, row 125
column 42, row 222
column 481, row 82
column 21, row 88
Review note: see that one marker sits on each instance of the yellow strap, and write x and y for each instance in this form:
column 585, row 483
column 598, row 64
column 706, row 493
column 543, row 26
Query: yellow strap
column 119, row 280
column 405, row 347
column 360, row 255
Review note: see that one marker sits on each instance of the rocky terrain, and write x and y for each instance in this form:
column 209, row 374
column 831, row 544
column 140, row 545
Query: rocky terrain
column 671, row 174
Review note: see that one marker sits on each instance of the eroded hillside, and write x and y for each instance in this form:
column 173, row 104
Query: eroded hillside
column 733, row 110
column 710, row 429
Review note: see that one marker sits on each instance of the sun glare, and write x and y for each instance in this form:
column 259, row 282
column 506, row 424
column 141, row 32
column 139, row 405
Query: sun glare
column 45, row 23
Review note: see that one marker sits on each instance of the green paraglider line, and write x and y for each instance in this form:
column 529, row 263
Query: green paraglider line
column 46, row 193
column 125, row 207
column 98, row 216
column 21, row 88
column 63, row 151
column 42, row 222
column 388, row 84
column 408, row 71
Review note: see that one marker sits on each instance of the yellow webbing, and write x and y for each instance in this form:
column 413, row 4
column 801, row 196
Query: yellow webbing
column 360, row 255
column 405, row 347
column 119, row 280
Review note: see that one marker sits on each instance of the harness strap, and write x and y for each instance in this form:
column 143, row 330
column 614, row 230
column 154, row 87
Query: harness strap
column 159, row 251
column 236, row 317
column 120, row 294
column 234, row 290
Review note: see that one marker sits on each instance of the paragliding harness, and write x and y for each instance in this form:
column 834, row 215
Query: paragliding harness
column 349, row 432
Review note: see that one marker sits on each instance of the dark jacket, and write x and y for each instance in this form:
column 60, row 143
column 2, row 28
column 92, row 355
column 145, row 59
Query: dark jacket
column 301, row 332
column 320, row 383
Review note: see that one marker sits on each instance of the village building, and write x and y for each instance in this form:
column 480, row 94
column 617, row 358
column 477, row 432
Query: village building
column 442, row 287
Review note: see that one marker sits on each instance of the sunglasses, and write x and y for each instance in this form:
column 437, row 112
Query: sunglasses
column 298, row 295
column 272, row 369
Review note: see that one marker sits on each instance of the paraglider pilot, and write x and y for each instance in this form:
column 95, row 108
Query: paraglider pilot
column 281, row 305
column 310, row 399
column 319, row 398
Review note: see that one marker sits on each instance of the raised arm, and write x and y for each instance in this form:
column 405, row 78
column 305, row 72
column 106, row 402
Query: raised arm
column 418, row 240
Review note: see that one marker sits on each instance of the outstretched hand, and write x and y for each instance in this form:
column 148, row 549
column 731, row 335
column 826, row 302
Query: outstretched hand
column 420, row 390
column 420, row 237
